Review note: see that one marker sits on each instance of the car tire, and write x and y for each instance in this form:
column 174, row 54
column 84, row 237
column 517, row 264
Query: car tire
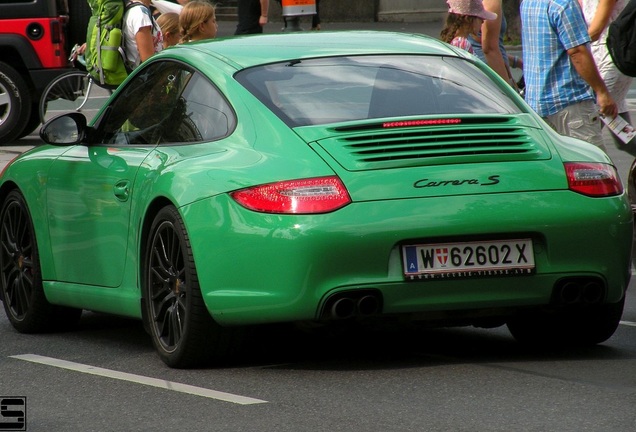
column 585, row 326
column 182, row 330
column 23, row 296
column 631, row 192
column 15, row 104
column 33, row 122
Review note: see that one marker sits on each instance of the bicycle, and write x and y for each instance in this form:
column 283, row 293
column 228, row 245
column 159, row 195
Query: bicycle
column 72, row 91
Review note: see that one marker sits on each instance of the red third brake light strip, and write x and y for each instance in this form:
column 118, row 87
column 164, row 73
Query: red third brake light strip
column 407, row 123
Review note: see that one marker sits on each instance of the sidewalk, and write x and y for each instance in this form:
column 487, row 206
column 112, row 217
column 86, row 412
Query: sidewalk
column 8, row 152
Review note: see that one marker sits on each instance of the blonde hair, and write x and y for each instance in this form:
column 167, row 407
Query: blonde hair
column 192, row 15
column 169, row 22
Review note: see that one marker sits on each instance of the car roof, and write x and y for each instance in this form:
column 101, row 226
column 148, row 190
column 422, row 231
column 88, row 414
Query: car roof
column 246, row 51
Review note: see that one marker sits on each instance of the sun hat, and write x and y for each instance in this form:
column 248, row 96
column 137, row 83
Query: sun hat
column 470, row 7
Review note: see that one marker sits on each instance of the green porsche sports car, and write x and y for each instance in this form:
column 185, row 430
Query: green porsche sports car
column 315, row 177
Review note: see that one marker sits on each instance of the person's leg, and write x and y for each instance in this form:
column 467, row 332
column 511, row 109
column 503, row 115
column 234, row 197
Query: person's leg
column 248, row 15
column 315, row 19
column 618, row 86
column 243, row 22
column 580, row 120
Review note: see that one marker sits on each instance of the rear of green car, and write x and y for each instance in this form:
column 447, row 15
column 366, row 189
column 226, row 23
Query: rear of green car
column 329, row 177
column 449, row 201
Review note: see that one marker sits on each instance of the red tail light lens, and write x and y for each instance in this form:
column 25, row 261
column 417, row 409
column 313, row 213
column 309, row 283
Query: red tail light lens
column 306, row 196
column 593, row 179
column 56, row 32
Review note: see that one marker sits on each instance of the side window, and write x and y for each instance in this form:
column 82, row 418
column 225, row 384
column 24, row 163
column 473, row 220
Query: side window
column 207, row 109
column 167, row 102
column 142, row 112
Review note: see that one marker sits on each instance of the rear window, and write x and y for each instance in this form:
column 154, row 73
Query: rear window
column 337, row 89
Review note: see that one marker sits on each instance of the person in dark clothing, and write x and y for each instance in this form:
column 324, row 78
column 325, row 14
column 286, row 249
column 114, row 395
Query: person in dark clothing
column 315, row 19
column 252, row 16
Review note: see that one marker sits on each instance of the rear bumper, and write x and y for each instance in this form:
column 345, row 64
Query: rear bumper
column 256, row 268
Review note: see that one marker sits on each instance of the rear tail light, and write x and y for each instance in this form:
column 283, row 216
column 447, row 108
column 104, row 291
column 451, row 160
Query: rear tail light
column 306, row 196
column 56, row 32
column 593, row 179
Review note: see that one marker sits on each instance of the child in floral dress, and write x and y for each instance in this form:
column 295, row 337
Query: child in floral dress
column 465, row 17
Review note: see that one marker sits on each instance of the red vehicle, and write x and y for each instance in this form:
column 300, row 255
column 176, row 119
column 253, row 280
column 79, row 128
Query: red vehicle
column 35, row 39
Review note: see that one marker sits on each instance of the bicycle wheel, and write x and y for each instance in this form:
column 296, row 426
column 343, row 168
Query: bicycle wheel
column 72, row 91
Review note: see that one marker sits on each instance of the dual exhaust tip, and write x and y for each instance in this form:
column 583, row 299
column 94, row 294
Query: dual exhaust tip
column 352, row 304
column 579, row 291
column 366, row 303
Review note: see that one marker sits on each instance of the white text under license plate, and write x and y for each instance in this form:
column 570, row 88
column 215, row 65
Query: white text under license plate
column 466, row 259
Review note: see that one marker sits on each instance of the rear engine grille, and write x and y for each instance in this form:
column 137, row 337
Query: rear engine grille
column 463, row 143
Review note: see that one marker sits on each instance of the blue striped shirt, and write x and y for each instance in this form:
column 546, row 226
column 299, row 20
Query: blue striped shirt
column 549, row 29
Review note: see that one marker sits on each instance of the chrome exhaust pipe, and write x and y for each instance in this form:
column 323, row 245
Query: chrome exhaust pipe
column 592, row 293
column 368, row 305
column 571, row 293
column 343, row 308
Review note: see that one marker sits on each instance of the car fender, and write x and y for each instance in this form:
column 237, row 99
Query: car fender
column 29, row 174
column 16, row 46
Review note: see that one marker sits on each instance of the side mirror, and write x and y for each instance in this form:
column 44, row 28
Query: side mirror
column 65, row 129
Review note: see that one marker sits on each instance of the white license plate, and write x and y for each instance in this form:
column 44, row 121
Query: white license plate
column 467, row 259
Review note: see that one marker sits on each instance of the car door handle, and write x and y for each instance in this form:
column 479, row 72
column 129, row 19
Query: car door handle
column 122, row 190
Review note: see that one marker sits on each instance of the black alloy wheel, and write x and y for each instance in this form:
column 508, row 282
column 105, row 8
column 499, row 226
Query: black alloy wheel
column 23, row 296
column 182, row 330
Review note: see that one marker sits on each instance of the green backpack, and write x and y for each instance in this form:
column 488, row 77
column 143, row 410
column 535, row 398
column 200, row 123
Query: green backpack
column 105, row 57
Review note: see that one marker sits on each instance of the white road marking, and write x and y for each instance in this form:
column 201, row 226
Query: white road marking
column 139, row 379
column 628, row 323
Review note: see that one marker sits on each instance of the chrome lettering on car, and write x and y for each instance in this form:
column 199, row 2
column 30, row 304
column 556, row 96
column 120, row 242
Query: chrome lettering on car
column 424, row 183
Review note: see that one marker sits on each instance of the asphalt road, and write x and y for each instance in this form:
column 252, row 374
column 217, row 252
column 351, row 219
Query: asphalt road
column 105, row 376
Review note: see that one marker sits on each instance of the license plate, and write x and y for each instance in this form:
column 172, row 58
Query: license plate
column 468, row 259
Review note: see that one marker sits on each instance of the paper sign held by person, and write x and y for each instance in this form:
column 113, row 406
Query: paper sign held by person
column 619, row 127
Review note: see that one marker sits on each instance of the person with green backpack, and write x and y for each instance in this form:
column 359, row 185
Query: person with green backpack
column 120, row 35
